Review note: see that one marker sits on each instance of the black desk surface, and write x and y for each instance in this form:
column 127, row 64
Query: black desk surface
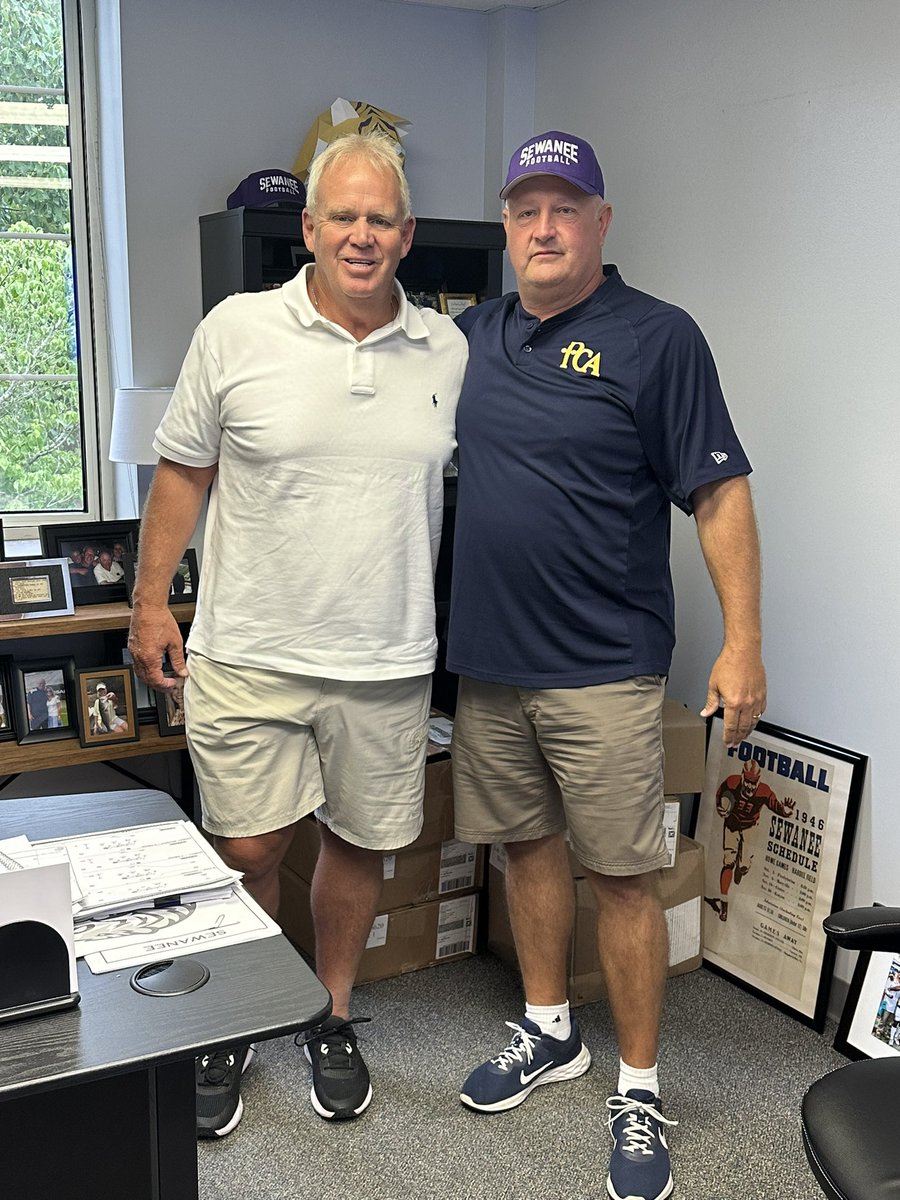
column 256, row 990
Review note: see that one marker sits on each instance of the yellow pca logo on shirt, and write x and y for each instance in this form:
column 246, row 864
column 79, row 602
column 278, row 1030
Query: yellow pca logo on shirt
column 580, row 358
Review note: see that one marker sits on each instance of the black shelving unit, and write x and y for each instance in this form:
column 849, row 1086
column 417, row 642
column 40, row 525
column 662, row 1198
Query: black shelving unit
column 254, row 249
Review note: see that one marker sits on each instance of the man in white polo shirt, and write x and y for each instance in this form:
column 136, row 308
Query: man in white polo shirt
column 322, row 416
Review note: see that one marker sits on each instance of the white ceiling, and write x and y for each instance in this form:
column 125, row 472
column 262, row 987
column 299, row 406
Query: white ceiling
column 485, row 5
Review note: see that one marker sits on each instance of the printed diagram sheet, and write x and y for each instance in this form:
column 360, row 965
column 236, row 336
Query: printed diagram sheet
column 120, row 870
column 130, row 939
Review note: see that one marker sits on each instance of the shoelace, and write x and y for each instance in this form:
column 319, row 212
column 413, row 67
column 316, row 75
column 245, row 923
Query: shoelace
column 638, row 1134
column 339, row 1055
column 521, row 1047
column 215, row 1068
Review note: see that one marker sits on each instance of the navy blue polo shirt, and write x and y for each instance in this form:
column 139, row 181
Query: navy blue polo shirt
column 576, row 435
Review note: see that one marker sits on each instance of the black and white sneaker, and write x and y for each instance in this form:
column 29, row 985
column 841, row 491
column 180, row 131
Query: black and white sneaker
column 340, row 1079
column 218, row 1078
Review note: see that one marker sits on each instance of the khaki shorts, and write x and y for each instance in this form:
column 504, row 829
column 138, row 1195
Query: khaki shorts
column 528, row 763
column 269, row 747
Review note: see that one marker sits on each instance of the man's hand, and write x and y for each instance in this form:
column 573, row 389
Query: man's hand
column 738, row 684
column 154, row 633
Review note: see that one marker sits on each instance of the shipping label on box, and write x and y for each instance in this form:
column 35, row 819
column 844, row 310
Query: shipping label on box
column 671, row 824
column 456, row 927
column 378, row 932
column 459, row 866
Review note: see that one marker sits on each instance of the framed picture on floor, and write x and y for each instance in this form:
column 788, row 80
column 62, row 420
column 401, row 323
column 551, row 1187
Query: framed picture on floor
column 43, row 694
column 870, row 1023
column 95, row 551
column 777, row 818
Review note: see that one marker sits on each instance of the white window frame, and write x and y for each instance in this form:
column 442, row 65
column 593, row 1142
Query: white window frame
column 79, row 21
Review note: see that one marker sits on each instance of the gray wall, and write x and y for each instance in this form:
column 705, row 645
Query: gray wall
column 213, row 91
column 754, row 167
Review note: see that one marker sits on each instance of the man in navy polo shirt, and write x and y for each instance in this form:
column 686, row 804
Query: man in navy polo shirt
column 588, row 409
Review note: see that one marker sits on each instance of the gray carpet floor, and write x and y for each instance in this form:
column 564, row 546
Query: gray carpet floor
column 733, row 1070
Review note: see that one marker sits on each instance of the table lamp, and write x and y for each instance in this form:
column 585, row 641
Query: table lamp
column 136, row 414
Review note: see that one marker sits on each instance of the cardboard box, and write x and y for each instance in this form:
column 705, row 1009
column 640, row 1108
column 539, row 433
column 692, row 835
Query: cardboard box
column 437, row 826
column 407, row 939
column 413, row 875
column 681, row 891
column 684, row 742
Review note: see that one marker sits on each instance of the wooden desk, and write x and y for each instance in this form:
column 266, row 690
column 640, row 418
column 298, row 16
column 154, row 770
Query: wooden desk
column 97, row 1103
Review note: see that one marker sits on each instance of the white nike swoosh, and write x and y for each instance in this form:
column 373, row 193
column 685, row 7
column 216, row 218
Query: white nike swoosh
column 526, row 1079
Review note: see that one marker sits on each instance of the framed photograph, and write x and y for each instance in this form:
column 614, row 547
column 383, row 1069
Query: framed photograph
column 7, row 727
column 170, row 711
column 116, row 650
column 777, row 817
column 35, row 587
column 43, row 695
column 870, row 1023
column 453, row 303
column 94, row 551
column 424, row 300
column 184, row 584
column 106, row 705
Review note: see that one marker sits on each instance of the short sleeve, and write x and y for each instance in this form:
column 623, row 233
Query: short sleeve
column 190, row 431
column 681, row 415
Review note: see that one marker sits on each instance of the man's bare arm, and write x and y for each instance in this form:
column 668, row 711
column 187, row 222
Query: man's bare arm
column 729, row 539
column 170, row 517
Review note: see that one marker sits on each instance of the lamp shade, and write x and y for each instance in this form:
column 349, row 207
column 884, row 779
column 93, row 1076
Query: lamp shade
column 137, row 413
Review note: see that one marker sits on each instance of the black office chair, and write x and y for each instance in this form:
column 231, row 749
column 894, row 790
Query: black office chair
column 851, row 1117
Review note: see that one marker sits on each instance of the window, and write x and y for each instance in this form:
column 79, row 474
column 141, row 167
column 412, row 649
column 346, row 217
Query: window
column 48, row 454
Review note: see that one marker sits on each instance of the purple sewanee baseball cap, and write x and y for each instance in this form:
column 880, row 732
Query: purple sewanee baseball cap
column 269, row 189
column 556, row 153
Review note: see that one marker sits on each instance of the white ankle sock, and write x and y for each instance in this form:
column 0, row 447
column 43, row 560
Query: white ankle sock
column 638, row 1078
column 553, row 1019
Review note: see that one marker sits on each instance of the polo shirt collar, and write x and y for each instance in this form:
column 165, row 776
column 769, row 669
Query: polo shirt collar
column 611, row 279
column 296, row 296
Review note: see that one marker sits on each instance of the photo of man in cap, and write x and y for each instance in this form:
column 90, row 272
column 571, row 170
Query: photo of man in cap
column 588, row 409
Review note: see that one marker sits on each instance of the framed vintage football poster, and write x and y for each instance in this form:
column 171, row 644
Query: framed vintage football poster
column 777, row 817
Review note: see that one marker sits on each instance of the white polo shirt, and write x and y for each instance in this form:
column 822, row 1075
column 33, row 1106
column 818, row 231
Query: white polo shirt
column 325, row 515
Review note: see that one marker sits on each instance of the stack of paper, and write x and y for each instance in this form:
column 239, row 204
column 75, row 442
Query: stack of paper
column 146, row 892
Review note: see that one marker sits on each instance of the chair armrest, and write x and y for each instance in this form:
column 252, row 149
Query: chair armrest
column 874, row 928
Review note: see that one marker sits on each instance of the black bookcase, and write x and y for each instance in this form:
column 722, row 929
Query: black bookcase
column 251, row 249
column 254, row 249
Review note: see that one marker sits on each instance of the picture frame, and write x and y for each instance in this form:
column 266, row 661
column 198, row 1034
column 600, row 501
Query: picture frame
column 34, row 716
column 7, row 716
column 453, row 303
column 424, row 299
column 185, row 581
column 73, row 541
column 35, row 587
column 777, row 817
column 116, row 650
column 864, row 1030
column 106, row 705
column 2, row 542
column 170, row 710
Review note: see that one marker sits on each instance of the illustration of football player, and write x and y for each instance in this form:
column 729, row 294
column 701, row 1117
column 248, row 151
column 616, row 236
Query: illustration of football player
column 741, row 800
